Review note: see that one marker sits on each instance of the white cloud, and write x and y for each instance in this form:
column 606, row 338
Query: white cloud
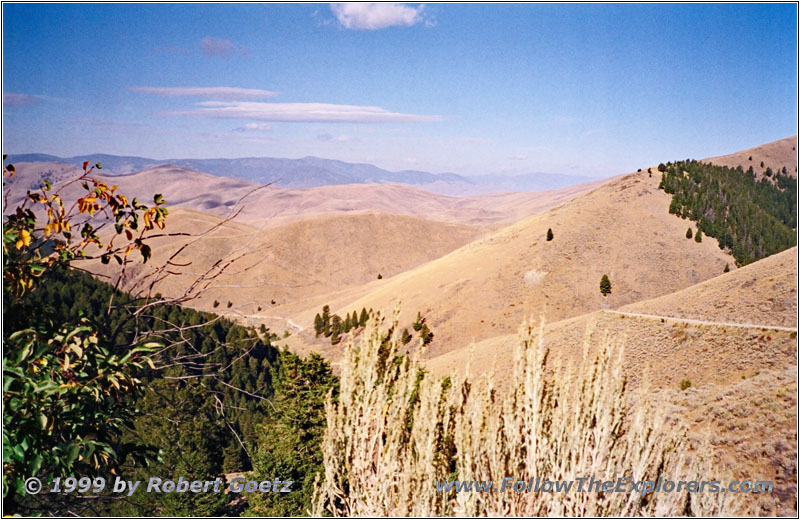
column 328, row 138
column 254, row 127
column 209, row 92
column 300, row 112
column 372, row 16
column 221, row 48
column 13, row 99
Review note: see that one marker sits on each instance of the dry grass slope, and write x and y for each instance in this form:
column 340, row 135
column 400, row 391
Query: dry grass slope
column 292, row 262
column 486, row 287
column 269, row 206
column 775, row 155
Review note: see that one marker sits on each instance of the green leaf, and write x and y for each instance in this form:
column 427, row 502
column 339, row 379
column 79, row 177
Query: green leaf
column 18, row 453
column 72, row 453
column 36, row 463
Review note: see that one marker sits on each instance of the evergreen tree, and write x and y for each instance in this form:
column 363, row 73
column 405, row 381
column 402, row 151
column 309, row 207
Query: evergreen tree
column 605, row 285
column 426, row 334
column 727, row 269
column 326, row 321
column 288, row 442
column 549, row 234
column 698, row 236
column 362, row 320
column 347, row 324
column 318, row 325
column 689, row 233
column 336, row 329
column 751, row 219
column 417, row 325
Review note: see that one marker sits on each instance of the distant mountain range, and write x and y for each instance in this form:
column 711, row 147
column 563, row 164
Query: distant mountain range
column 310, row 172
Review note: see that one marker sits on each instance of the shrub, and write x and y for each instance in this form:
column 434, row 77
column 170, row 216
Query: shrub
column 727, row 269
column 689, row 233
column 395, row 431
column 698, row 237
column 685, row 383
column 549, row 234
column 605, row 285
column 67, row 390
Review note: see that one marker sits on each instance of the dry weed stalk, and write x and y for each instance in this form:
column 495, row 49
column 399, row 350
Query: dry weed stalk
column 394, row 432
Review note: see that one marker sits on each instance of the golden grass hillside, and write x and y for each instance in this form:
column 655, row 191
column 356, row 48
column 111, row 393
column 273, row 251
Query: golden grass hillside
column 487, row 287
column 669, row 344
column 291, row 262
column 762, row 293
column 775, row 155
column 269, row 206
column 741, row 407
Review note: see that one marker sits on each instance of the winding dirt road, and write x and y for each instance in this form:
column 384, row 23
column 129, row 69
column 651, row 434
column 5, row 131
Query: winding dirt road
column 702, row 322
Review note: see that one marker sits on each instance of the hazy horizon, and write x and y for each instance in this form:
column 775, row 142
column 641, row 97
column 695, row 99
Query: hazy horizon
column 476, row 89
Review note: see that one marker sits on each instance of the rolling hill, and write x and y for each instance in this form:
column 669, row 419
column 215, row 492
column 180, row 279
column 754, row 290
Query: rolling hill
column 221, row 196
column 309, row 172
column 287, row 263
column 486, row 288
column 775, row 155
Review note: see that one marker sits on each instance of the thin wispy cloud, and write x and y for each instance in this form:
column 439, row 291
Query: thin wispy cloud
column 328, row 138
column 228, row 93
column 15, row 99
column 300, row 113
column 254, row 127
column 373, row 16
column 221, row 48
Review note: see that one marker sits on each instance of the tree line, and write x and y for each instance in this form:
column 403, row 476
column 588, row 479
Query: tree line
column 752, row 219
column 221, row 399
column 333, row 326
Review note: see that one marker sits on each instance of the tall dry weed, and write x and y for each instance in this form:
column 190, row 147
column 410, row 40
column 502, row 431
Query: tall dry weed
column 395, row 431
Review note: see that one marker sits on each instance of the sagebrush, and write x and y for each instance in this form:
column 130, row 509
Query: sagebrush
column 395, row 430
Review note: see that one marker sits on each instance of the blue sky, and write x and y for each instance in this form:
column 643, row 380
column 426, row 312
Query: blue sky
column 476, row 88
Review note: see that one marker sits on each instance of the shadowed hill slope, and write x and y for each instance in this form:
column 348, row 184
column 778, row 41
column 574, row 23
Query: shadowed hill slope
column 291, row 262
column 221, row 196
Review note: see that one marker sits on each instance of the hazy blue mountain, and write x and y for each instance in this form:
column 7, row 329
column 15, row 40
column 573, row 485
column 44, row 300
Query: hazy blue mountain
column 313, row 171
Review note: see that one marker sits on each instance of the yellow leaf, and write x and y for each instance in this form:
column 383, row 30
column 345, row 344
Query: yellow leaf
column 25, row 236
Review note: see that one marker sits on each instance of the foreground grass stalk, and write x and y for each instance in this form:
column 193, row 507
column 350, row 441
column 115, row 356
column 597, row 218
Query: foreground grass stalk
column 394, row 431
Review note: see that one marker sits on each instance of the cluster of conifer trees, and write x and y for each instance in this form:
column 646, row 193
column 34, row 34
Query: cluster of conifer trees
column 222, row 399
column 333, row 326
column 753, row 219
